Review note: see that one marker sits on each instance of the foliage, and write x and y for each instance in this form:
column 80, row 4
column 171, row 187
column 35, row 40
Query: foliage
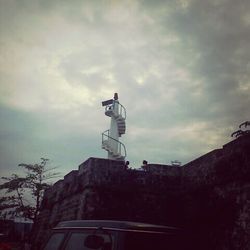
column 241, row 132
column 18, row 189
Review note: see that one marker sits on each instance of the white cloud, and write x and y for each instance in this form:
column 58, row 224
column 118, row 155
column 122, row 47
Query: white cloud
column 181, row 69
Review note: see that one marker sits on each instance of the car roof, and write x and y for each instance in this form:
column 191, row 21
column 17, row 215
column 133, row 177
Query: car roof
column 114, row 225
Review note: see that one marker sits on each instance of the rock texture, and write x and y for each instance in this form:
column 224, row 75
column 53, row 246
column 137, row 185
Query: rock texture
column 209, row 197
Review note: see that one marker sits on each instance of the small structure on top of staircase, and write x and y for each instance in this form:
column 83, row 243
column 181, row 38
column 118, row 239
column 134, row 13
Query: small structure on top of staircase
column 110, row 138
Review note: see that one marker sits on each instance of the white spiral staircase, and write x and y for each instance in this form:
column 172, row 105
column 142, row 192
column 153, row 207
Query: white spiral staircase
column 116, row 149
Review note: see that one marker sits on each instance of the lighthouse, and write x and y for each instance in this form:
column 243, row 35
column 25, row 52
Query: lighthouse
column 110, row 138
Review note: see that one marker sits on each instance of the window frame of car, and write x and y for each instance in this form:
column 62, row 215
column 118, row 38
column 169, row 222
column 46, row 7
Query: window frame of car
column 88, row 231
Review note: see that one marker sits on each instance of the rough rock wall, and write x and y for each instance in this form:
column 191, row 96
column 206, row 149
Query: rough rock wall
column 107, row 189
column 218, row 196
column 210, row 196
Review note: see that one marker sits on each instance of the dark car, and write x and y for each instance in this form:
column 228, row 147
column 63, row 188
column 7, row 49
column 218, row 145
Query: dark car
column 113, row 235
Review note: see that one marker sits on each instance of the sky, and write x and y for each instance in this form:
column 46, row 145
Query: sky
column 181, row 69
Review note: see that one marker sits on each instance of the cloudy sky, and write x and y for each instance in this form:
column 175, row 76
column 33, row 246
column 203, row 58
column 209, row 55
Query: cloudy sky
column 181, row 69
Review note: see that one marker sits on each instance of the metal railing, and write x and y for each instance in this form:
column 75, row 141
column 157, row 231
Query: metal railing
column 121, row 110
column 121, row 147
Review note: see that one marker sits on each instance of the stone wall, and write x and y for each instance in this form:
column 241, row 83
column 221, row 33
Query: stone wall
column 107, row 189
column 209, row 196
column 218, row 195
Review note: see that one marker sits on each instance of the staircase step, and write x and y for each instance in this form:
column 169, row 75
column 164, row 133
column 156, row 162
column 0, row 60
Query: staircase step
column 121, row 130
column 121, row 124
column 121, row 127
column 120, row 118
column 121, row 158
column 107, row 143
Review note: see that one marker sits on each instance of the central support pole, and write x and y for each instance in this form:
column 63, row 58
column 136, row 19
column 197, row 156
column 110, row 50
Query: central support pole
column 113, row 132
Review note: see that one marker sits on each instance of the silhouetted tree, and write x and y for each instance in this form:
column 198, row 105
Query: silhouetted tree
column 15, row 202
column 245, row 124
column 241, row 132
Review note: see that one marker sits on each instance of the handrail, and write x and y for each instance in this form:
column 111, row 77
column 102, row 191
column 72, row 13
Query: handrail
column 121, row 110
column 103, row 133
column 120, row 144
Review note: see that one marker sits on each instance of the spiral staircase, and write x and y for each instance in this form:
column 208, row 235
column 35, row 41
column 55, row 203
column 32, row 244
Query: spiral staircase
column 113, row 146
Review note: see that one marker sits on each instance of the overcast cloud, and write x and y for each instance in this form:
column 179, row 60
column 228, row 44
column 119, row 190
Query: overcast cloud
column 181, row 69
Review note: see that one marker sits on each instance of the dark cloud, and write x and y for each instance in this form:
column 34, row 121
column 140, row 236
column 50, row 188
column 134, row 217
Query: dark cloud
column 218, row 32
column 181, row 69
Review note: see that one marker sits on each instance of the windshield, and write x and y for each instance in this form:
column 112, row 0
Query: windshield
column 74, row 241
column 55, row 241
